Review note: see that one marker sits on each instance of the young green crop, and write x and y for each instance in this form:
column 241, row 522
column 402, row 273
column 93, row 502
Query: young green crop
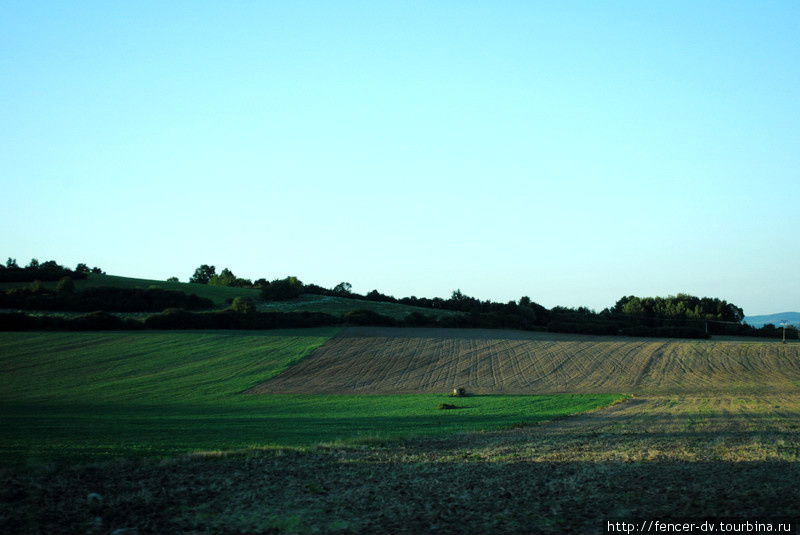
column 90, row 395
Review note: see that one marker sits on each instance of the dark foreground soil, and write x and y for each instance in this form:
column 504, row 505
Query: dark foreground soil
column 649, row 458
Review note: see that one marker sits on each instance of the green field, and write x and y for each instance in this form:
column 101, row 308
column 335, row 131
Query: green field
column 127, row 402
column 95, row 395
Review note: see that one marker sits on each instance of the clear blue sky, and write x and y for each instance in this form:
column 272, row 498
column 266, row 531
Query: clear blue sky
column 572, row 152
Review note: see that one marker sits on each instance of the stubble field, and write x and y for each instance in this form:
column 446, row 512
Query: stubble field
column 395, row 360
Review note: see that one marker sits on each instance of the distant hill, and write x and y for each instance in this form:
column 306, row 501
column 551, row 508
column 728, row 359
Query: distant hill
column 775, row 319
column 220, row 295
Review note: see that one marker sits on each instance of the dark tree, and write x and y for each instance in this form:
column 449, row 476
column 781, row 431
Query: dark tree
column 51, row 265
column 343, row 288
column 82, row 268
column 225, row 278
column 681, row 306
column 282, row 289
column 173, row 279
column 203, row 274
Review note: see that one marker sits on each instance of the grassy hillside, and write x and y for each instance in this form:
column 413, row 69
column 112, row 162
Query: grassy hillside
column 144, row 393
column 405, row 360
column 338, row 306
column 219, row 294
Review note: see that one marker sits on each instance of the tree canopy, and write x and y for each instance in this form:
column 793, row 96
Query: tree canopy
column 681, row 306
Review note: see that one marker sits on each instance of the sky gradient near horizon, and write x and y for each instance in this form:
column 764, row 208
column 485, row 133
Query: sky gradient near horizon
column 574, row 152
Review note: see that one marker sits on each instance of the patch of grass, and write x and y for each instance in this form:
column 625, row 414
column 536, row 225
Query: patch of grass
column 145, row 368
column 255, row 422
column 97, row 395
column 336, row 306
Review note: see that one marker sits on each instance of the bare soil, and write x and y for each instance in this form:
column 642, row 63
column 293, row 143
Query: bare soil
column 373, row 360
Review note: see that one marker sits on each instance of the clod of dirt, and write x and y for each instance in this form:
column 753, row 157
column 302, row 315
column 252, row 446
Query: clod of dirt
column 447, row 406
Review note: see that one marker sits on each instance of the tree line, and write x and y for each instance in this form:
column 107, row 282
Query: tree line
column 42, row 271
column 242, row 314
column 107, row 298
column 681, row 315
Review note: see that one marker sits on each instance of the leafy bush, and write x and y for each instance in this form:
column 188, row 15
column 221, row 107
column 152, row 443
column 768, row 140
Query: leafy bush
column 367, row 317
column 243, row 305
column 171, row 318
column 417, row 319
column 46, row 271
column 227, row 278
column 102, row 298
column 282, row 289
column 228, row 319
column 100, row 321
column 65, row 286
column 95, row 321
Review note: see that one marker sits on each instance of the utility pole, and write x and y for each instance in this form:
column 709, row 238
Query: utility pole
column 783, row 324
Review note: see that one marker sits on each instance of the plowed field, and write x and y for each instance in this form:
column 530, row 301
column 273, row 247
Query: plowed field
column 394, row 360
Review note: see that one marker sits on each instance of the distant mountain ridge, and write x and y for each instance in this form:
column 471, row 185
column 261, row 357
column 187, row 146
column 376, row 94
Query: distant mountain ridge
column 775, row 319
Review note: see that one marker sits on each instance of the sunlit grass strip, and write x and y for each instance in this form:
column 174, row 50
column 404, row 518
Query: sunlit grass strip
column 253, row 422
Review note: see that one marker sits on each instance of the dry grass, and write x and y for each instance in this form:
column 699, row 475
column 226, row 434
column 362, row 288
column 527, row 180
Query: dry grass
column 693, row 428
column 392, row 360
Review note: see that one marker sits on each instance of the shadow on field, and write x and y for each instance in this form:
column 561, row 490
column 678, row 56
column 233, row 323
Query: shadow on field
column 636, row 429
column 81, row 431
column 327, row 491
column 466, row 334
column 511, row 334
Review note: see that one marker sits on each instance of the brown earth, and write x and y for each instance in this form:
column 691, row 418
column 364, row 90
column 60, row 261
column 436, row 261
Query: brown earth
column 652, row 457
column 373, row 360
